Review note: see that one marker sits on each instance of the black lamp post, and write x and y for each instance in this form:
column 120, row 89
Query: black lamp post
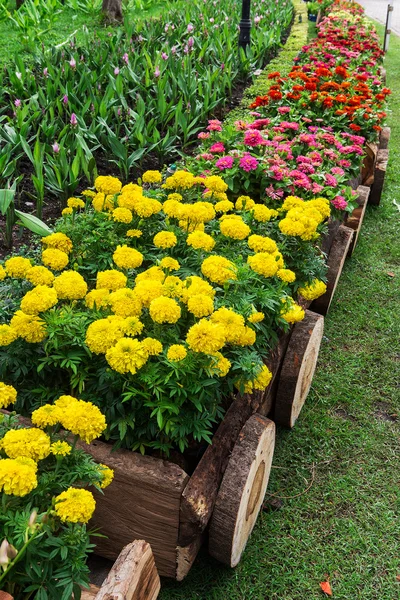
column 245, row 25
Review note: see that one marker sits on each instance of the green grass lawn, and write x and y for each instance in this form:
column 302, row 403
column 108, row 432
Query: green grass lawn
column 337, row 472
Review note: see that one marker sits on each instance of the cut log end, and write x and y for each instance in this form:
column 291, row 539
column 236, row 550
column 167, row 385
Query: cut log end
column 298, row 368
column 242, row 490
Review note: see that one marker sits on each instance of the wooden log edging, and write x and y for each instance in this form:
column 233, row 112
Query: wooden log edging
column 356, row 218
column 379, row 178
column 336, row 260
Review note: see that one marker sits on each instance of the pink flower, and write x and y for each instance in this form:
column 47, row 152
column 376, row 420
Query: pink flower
column 191, row 42
column 164, row 56
column 337, row 171
column 72, row 63
column 74, row 120
column 316, row 188
column 259, row 124
column 157, row 72
column 116, row 71
column 173, row 50
column 207, row 156
column 218, row 147
column 252, row 137
column 248, row 163
column 339, row 202
column 190, row 28
column 225, row 162
column 344, row 163
column 330, row 180
column 65, row 99
column 282, row 110
column 203, row 135
column 240, row 125
column 125, row 58
column 274, row 194
column 45, row 72
column 56, row 148
column 17, row 102
column 214, row 125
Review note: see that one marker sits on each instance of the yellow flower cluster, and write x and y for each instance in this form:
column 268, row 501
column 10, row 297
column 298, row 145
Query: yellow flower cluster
column 302, row 218
column 7, row 335
column 127, row 258
column 30, row 328
column 234, row 228
column 264, row 263
column 293, row 314
column 176, row 352
column 17, row 266
column 165, row 239
column 70, row 285
column 60, row 448
column 256, row 317
column 55, row 259
column 200, row 305
column 17, row 476
column 75, row 505
column 75, row 203
column 286, row 275
column 101, row 335
column 262, row 213
column 206, row 336
column 38, row 300
column 8, row 395
column 215, row 183
column 259, row 383
column 200, row 241
column 152, row 177
column 259, row 243
column 81, row 418
column 59, row 241
column 169, row 263
column 313, row 290
column 127, row 356
column 164, row 310
column 40, row 276
column 218, row 269
column 107, row 475
column 110, row 280
column 125, row 303
column 180, row 180
column 28, row 443
column 107, row 185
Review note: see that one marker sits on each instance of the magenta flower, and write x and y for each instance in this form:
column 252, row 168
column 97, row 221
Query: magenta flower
column 214, row 125
column 65, row 99
column 225, row 162
column 252, row 137
column 248, row 163
column 17, row 102
column 164, row 56
column 190, row 28
column 173, row 50
column 56, row 148
column 125, row 58
column 217, row 147
column 191, row 42
column 157, row 72
column 339, row 202
column 282, row 110
column 203, row 135
column 74, row 120
column 259, row 124
column 316, row 188
column 330, row 180
column 207, row 156
column 116, row 71
column 337, row 171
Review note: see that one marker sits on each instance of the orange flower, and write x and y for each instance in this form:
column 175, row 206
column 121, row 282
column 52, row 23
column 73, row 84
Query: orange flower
column 341, row 71
column 275, row 95
column 355, row 127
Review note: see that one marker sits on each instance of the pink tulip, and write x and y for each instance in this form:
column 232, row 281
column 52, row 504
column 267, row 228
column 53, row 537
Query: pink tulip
column 74, row 120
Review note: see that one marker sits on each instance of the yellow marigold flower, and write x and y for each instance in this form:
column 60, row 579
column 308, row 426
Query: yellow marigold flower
column 218, row 269
column 17, row 478
column 173, row 287
column 245, row 337
column 132, row 326
column 291, row 202
column 219, row 365
column 235, row 229
column 60, row 448
column 75, row 203
column 148, row 290
column 180, row 180
column 294, row 314
column 224, row 206
column 176, row 197
column 313, row 290
column 263, row 379
column 97, row 299
column 197, row 285
column 189, row 226
column 7, row 335
column 291, row 227
column 17, row 266
column 104, row 333
column 8, row 395
column 164, row 310
column 152, row 274
column 125, row 302
column 200, row 241
column 221, row 196
column 101, row 202
column 200, row 305
column 200, row 212
column 70, row 285
column 169, row 263
column 286, row 275
column 215, row 184
column 110, row 280
column 171, row 207
column 88, row 193
column 206, row 336
column 256, row 317
column 40, row 276
column 322, row 205
column 259, row 243
column 31, row 328
column 64, row 402
column 152, row 177
column 165, row 239
column 59, row 240
column 83, row 419
column 176, row 352
column 244, row 203
column 75, row 505
column 262, row 213
column 127, row 356
column 263, row 263
column 134, row 233
column 67, row 211
column 122, row 215
column 55, row 259
column 232, row 322
column 152, row 346
column 132, row 187
column 107, row 475
column 40, row 299
column 45, row 416
column 30, row 443
column 107, row 184
column 127, row 258
column 3, row 273
column 148, row 207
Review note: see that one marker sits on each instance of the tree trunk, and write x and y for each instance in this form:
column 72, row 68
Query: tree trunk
column 112, row 9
